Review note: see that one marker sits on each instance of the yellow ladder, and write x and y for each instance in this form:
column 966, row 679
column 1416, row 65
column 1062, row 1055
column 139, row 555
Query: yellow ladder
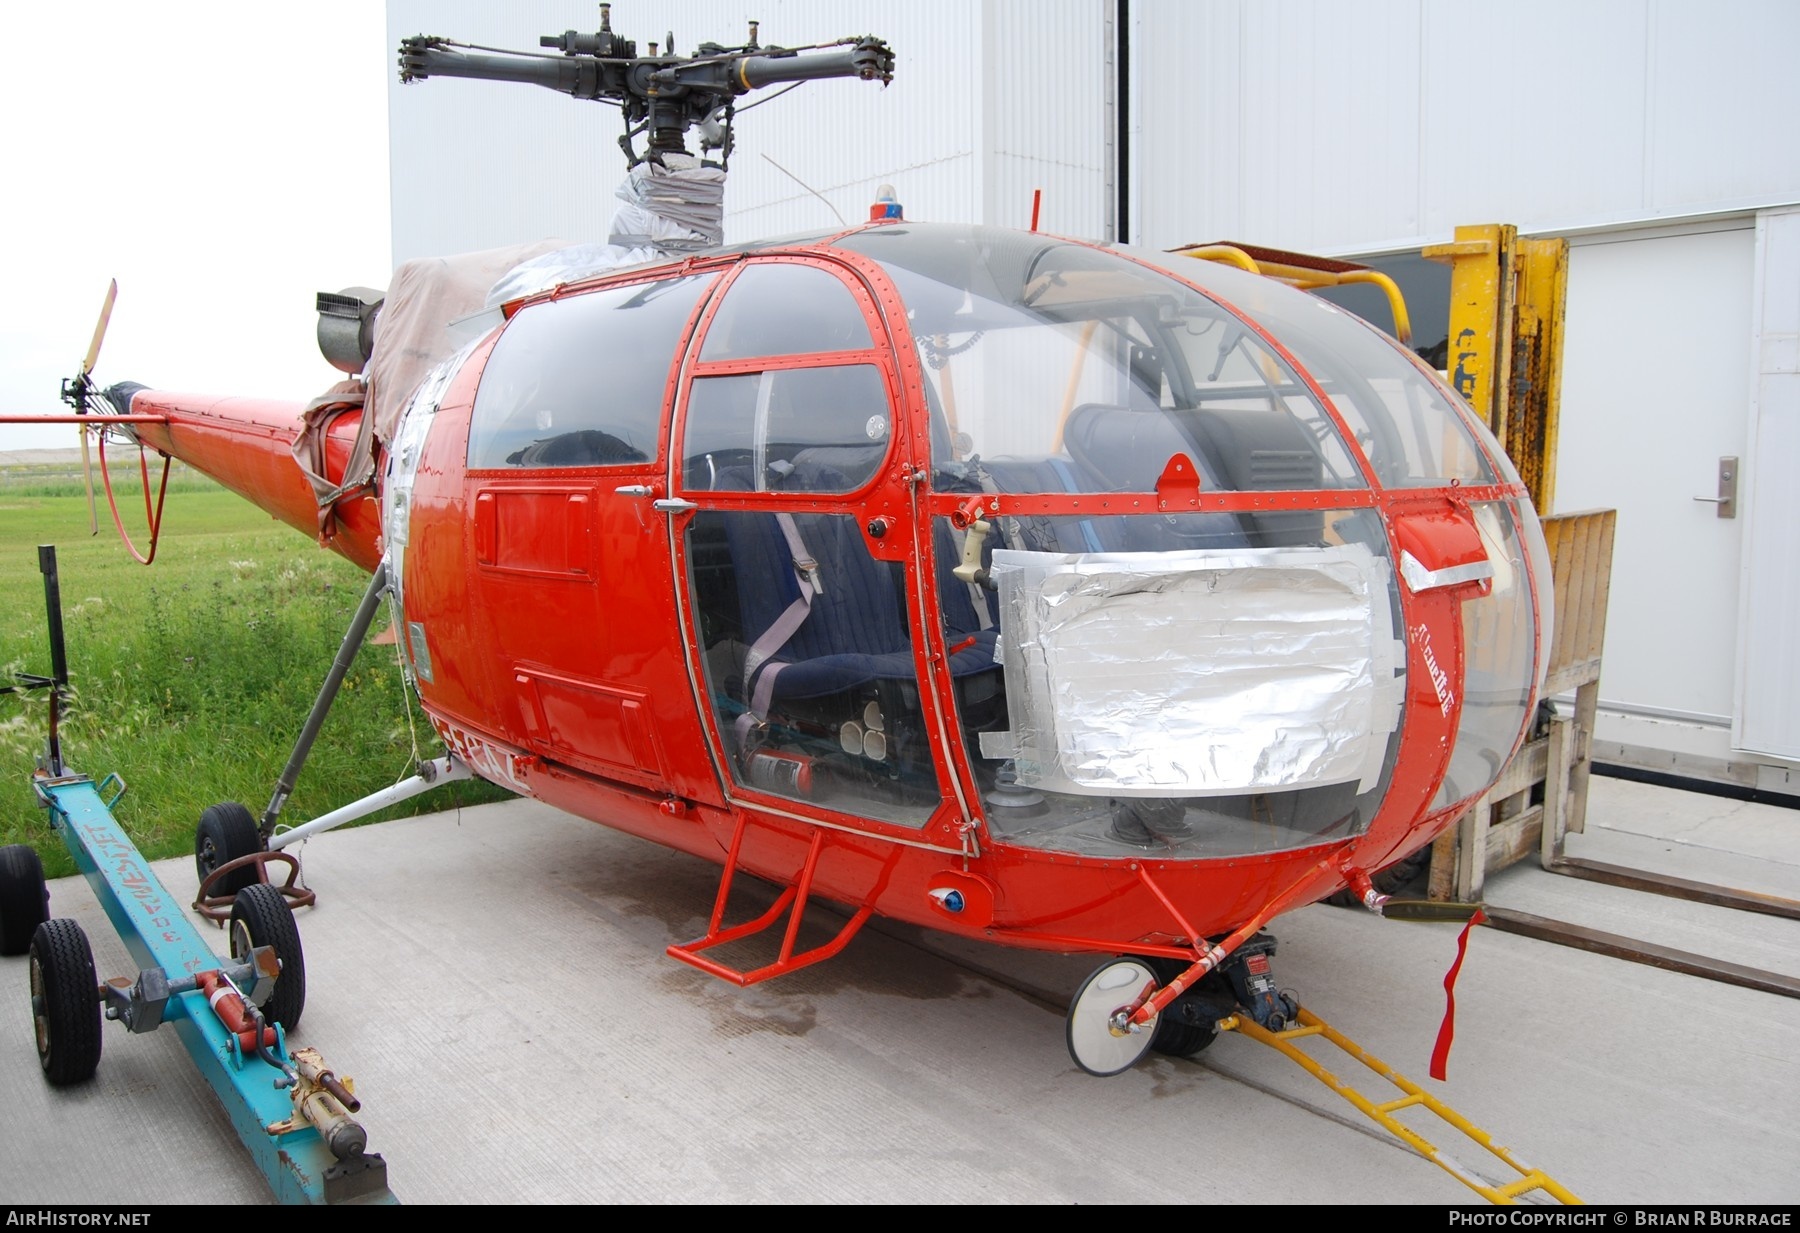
column 1529, row 1179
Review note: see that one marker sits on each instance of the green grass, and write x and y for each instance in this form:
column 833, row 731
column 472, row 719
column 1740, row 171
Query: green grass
column 66, row 480
column 191, row 678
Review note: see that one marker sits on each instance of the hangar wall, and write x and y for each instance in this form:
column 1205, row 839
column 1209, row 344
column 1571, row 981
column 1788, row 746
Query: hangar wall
column 1383, row 124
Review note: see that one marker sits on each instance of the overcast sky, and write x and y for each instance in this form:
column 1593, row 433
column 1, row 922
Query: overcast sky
column 224, row 161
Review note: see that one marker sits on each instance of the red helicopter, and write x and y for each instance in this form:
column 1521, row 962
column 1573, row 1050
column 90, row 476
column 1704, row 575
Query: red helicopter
column 1064, row 595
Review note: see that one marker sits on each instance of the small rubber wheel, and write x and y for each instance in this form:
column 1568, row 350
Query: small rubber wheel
column 1182, row 1039
column 65, row 1002
column 1096, row 1043
column 1174, row 1038
column 24, row 898
column 260, row 916
column 226, row 832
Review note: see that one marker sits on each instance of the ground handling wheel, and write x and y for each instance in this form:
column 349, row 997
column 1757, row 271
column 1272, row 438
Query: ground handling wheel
column 226, row 833
column 65, row 1002
column 260, row 916
column 1100, row 1040
column 24, row 898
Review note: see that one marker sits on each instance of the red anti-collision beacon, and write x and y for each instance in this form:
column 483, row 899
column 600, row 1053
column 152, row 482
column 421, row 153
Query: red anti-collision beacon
column 886, row 207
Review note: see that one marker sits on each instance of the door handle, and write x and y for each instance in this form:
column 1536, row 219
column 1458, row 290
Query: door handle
column 1726, row 501
column 635, row 490
column 673, row 505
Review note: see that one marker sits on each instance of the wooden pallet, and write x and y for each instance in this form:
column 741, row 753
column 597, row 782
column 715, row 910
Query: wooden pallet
column 1542, row 794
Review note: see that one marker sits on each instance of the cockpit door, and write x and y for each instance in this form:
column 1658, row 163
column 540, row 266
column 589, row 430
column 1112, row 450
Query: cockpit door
column 570, row 568
column 797, row 557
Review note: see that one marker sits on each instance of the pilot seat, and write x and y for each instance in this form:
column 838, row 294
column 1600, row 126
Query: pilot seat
column 820, row 688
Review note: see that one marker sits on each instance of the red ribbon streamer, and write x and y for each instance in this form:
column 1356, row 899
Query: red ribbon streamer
column 1440, row 1055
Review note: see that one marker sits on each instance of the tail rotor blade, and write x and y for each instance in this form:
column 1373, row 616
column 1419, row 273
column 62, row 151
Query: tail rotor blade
column 93, row 351
column 87, row 468
column 81, row 390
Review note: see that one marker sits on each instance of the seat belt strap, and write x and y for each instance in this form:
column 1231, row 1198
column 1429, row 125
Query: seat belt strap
column 806, row 576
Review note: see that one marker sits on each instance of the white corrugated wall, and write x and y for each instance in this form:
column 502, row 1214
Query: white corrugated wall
column 1282, row 124
column 1340, row 125
column 1044, row 102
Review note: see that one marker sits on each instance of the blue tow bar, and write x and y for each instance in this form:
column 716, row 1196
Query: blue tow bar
column 277, row 1110
column 287, row 1107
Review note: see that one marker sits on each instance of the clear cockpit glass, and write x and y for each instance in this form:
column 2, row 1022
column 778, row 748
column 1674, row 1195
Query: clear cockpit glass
column 580, row 381
column 1191, row 702
column 775, row 308
column 819, row 429
column 1505, row 648
column 805, row 635
column 806, row 649
column 1053, row 367
column 1411, row 428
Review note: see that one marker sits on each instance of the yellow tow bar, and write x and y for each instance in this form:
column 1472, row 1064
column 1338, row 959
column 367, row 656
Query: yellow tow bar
column 1529, row 1179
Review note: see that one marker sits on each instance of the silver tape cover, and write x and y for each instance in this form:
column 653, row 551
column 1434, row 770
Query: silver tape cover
column 1196, row 673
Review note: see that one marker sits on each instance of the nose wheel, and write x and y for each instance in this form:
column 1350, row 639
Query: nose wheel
column 1102, row 1039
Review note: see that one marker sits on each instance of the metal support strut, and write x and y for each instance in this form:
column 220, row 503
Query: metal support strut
column 447, row 769
column 353, row 639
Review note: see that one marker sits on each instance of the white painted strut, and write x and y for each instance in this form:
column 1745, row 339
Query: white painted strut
column 447, row 769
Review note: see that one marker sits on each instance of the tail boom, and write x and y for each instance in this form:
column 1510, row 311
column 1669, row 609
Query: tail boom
column 247, row 445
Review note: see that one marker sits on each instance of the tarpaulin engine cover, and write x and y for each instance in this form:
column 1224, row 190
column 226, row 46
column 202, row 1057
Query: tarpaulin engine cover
column 433, row 303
